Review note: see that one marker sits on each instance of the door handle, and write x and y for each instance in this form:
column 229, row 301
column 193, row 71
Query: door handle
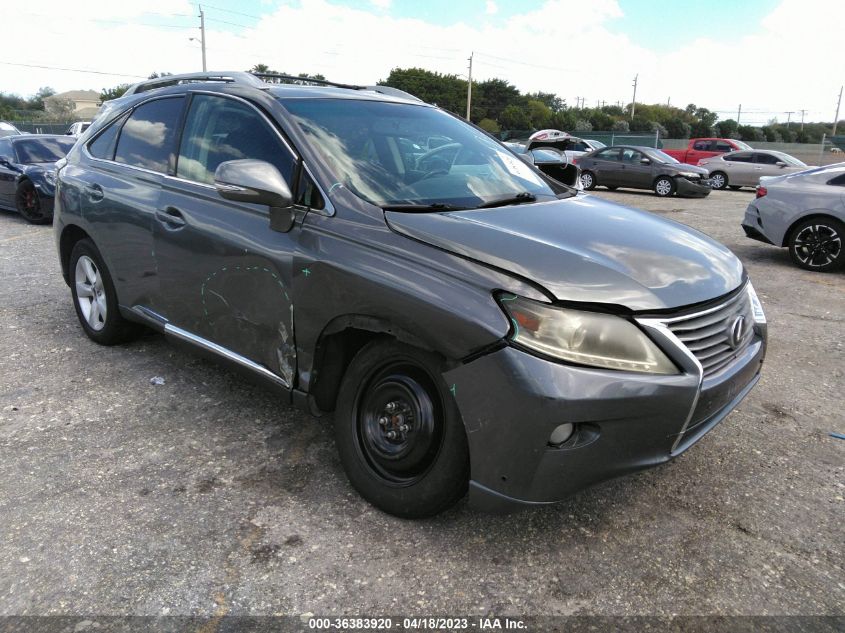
column 171, row 216
column 95, row 192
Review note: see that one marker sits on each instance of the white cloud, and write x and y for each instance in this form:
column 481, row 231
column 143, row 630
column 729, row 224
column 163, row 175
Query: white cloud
column 491, row 8
column 784, row 63
column 382, row 4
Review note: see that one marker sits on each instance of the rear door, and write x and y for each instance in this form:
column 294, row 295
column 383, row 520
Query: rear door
column 606, row 167
column 766, row 164
column 740, row 168
column 118, row 187
column 225, row 276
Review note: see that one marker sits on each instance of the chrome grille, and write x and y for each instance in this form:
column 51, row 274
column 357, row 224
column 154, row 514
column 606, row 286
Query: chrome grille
column 713, row 335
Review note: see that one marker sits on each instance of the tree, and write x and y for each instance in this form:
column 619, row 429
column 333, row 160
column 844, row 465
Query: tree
column 677, row 128
column 492, row 97
column 551, row 100
column 583, row 126
column 539, row 114
column 36, row 102
column 489, row 125
column 727, row 128
column 447, row 91
column 621, row 126
column 514, row 118
column 107, row 94
column 61, row 109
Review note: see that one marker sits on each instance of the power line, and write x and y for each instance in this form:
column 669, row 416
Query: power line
column 73, row 70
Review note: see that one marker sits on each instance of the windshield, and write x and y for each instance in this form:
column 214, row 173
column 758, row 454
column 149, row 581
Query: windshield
column 398, row 154
column 43, row 150
column 742, row 145
column 662, row 157
column 790, row 160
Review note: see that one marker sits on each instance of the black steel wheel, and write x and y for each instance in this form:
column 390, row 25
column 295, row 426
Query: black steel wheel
column 399, row 433
column 29, row 204
column 816, row 244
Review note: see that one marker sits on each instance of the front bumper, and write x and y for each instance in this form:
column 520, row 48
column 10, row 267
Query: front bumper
column 46, row 196
column 692, row 189
column 511, row 402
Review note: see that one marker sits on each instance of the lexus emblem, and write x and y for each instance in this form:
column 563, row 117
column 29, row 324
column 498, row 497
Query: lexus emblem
column 737, row 331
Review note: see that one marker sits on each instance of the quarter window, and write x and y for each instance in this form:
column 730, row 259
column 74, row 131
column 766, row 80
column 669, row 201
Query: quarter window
column 218, row 129
column 839, row 181
column 148, row 136
column 103, row 145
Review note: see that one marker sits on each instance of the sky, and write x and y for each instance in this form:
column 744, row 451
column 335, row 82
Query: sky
column 769, row 56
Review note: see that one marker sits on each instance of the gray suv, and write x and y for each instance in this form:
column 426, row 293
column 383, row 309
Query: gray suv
column 473, row 324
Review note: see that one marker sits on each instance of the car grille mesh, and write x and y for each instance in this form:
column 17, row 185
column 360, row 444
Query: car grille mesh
column 708, row 335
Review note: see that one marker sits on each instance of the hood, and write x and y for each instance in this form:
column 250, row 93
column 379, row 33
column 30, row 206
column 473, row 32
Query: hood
column 35, row 168
column 586, row 249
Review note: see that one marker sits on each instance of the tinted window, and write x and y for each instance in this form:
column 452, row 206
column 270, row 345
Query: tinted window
column 608, row 154
column 742, row 157
column 308, row 195
column 103, row 145
column 43, row 150
column 147, row 138
column 721, row 146
column 839, row 181
column 219, row 129
column 702, row 145
column 6, row 148
column 767, row 159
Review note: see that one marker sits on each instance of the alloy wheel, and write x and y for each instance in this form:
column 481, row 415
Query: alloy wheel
column 717, row 181
column 817, row 245
column 663, row 187
column 90, row 293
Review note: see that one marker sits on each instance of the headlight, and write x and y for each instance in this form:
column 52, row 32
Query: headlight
column 586, row 338
column 756, row 306
column 50, row 177
column 689, row 174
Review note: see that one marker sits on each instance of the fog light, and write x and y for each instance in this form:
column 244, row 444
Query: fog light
column 561, row 434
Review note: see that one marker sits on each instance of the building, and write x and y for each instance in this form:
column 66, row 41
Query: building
column 85, row 103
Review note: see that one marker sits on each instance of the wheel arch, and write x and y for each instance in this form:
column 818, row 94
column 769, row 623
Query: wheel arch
column 337, row 345
column 71, row 234
column 808, row 216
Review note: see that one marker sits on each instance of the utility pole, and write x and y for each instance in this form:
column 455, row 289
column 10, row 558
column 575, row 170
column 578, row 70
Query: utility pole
column 634, row 100
column 202, row 36
column 469, row 85
column 738, row 113
column 803, row 112
column 836, row 116
column 668, row 101
column 788, row 117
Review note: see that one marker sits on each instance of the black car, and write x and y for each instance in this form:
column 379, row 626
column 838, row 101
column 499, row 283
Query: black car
column 637, row 167
column 473, row 324
column 28, row 173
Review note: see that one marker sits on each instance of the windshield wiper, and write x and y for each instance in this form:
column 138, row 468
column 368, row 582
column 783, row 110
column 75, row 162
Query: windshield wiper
column 422, row 208
column 520, row 198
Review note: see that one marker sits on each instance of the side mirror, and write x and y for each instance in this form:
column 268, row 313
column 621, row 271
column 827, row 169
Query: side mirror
column 645, row 161
column 780, row 163
column 257, row 182
column 5, row 160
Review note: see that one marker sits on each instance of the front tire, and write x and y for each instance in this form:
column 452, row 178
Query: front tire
column 588, row 180
column 719, row 180
column 29, row 205
column 816, row 244
column 95, row 299
column 664, row 186
column 399, row 433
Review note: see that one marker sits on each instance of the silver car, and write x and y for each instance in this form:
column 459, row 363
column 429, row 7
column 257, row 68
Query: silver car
column 745, row 168
column 805, row 212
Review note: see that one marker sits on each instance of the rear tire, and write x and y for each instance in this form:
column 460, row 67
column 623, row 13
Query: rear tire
column 399, row 433
column 664, row 186
column 95, row 299
column 588, row 180
column 719, row 180
column 29, row 205
column 816, row 244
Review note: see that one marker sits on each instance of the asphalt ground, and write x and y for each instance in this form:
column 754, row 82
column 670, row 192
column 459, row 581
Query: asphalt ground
column 207, row 496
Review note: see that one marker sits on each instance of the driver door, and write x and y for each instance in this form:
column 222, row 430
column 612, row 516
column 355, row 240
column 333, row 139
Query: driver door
column 225, row 275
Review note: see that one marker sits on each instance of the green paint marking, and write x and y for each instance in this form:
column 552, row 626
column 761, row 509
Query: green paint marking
column 454, row 390
column 509, row 297
column 306, row 271
column 515, row 328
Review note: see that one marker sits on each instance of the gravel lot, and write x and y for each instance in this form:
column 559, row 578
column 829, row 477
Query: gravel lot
column 207, row 496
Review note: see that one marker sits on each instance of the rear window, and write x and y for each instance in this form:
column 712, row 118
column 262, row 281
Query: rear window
column 147, row 138
column 43, row 150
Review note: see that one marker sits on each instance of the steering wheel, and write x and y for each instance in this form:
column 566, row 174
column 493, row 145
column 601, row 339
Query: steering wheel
column 427, row 156
column 435, row 172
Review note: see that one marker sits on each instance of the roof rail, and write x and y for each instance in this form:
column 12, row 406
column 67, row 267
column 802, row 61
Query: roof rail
column 172, row 80
column 256, row 80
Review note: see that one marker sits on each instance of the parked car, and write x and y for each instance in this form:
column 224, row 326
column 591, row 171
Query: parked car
column 804, row 212
column 76, row 129
column 473, row 324
column 28, row 173
column 744, row 169
column 637, row 167
column 571, row 146
column 701, row 148
column 551, row 162
column 7, row 129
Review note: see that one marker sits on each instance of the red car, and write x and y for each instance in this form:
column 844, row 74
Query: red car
column 701, row 148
